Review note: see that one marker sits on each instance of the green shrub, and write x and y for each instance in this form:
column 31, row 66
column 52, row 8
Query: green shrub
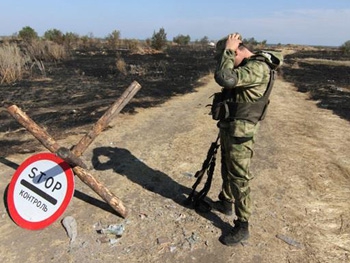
column 27, row 34
column 71, row 40
column 113, row 39
column 345, row 48
column 182, row 40
column 54, row 35
column 204, row 40
column 159, row 39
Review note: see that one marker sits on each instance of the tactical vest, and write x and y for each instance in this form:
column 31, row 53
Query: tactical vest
column 250, row 111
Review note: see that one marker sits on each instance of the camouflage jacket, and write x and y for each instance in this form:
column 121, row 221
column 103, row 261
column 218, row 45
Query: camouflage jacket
column 249, row 81
column 251, row 78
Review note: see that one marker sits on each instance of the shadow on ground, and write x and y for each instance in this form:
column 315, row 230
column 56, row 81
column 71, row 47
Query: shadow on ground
column 124, row 163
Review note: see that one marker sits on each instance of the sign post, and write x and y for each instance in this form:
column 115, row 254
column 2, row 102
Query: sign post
column 40, row 191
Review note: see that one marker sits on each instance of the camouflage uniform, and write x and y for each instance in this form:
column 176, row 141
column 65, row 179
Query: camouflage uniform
column 249, row 81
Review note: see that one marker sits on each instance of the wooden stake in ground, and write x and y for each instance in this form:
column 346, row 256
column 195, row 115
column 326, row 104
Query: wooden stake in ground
column 53, row 146
column 73, row 157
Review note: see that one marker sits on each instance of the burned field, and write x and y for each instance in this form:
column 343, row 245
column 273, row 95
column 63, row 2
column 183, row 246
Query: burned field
column 325, row 75
column 77, row 92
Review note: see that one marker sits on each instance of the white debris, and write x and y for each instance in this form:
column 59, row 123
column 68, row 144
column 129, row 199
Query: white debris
column 117, row 230
column 70, row 224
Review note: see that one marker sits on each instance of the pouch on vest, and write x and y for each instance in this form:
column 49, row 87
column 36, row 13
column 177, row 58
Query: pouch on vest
column 219, row 108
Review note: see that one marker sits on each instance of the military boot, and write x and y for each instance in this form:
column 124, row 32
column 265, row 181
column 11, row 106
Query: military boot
column 223, row 206
column 240, row 232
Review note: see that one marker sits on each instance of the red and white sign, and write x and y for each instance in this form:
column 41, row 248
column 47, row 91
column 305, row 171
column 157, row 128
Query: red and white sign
column 40, row 191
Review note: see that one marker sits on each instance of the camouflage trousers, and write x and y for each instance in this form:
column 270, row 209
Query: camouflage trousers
column 237, row 140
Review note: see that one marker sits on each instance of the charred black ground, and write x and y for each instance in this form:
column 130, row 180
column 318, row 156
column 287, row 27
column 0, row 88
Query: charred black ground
column 328, row 83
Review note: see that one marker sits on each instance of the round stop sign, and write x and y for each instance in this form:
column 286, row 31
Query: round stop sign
column 40, row 191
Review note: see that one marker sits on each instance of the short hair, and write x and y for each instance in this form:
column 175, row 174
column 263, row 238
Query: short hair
column 241, row 46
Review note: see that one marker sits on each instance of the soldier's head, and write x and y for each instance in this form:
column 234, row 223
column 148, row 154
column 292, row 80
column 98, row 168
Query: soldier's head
column 234, row 42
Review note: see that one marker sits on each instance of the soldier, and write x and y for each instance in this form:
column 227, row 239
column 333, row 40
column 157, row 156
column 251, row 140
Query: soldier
column 246, row 79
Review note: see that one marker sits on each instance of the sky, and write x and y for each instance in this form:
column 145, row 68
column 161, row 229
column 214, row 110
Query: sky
column 305, row 22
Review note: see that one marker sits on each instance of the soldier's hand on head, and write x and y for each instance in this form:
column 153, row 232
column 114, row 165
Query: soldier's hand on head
column 233, row 41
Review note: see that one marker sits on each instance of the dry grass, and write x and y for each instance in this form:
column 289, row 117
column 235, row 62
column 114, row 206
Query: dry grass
column 15, row 60
column 325, row 62
column 46, row 51
column 12, row 63
column 121, row 65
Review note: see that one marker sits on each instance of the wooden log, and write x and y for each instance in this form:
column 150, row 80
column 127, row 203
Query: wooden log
column 33, row 128
column 53, row 146
column 44, row 137
column 102, row 123
column 70, row 158
column 101, row 190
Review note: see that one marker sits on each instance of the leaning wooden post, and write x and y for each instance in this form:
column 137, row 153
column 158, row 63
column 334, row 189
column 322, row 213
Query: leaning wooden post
column 53, row 146
column 33, row 128
column 102, row 123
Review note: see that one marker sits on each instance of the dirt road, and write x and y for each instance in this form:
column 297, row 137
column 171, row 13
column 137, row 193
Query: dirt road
column 301, row 190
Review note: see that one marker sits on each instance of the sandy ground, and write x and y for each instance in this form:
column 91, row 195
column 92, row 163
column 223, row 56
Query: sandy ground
column 301, row 190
